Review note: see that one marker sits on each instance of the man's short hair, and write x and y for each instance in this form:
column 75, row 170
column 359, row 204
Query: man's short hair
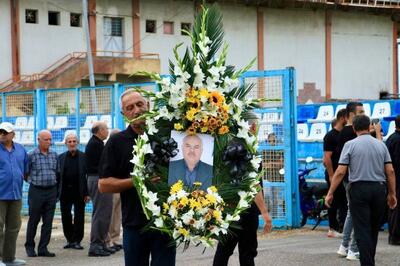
column 341, row 113
column 189, row 136
column 397, row 121
column 96, row 128
column 333, row 123
column 361, row 122
column 127, row 92
column 351, row 107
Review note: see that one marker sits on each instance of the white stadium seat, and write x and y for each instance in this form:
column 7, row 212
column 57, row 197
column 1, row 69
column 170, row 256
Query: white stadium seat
column 302, row 132
column 50, row 122
column 27, row 138
column 84, row 136
column 30, row 124
column 17, row 137
column 325, row 114
column 367, row 109
column 317, row 132
column 21, row 122
column 264, row 130
column 90, row 119
column 106, row 119
column 381, row 109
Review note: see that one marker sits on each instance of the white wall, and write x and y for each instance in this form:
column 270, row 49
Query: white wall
column 361, row 55
column 5, row 43
column 168, row 10
column 43, row 44
column 296, row 38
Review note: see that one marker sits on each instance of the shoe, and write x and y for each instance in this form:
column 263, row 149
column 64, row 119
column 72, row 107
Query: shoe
column 68, row 245
column 76, row 246
column 342, row 251
column 30, row 252
column 110, row 249
column 116, row 248
column 98, row 253
column 353, row 255
column 46, row 253
column 333, row 233
column 15, row 262
column 394, row 242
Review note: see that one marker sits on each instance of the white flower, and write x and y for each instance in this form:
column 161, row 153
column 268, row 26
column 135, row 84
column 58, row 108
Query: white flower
column 214, row 71
column 166, row 81
column 236, row 102
column 152, row 196
column 250, row 139
column 181, row 193
column 215, row 230
column 151, row 129
column 255, row 162
column 159, row 222
column 144, row 137
column 135, row 160
column 243, row 124
column 243, row 204
column 187, row 217
column 230, row 218
column 199, row 223
column 198, row 80
column 254, row 174
column 178, row 71
column 242, row 133
column 154, row 209
column 210, row 83
column 242, row 194
column 147, row 149
column 163, row 113
column 172, row 212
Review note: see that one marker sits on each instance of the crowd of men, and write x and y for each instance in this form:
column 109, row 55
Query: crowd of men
column 100, row 174
column 361, row 172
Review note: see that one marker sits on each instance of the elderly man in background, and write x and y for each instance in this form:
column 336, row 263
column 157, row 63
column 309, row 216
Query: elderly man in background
column 42, row 195
column 13, row 168
column 102, row 203
column 73, row 191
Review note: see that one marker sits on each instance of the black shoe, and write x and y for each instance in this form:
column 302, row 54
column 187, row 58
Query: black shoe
column 46, row 253
column 109, row 249
column 30, row 252
column 394, row 243
column 116, row 248
column 76, row 246
column 69, row 245
column 99, row 253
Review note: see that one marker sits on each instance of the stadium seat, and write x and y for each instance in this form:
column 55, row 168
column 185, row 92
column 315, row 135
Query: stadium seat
column 84, row 136
column 17, row 137
column 66, row 133
column 317, row 132
column 302, row 132
column 367, row 109
column 325, row 114
column 90, row 119
column 305, row 112
column 31, row 122
column 381, row 110
column 106, row 119
column 61, row 122
column 27, row 138
column 391, row 129
column 21, row 123
column 338, row 108
column 50, row 122
column 264, row 130
column 271, row 117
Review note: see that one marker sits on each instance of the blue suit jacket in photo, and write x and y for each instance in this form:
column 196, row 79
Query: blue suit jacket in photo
column 177, row 172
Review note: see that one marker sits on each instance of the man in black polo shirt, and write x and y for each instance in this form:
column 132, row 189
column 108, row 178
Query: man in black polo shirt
column 115, row 177
column 331, row 159
column 102, row 203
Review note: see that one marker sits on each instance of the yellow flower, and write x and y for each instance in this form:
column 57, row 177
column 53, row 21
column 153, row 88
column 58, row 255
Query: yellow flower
column 211, row 198
column 194, row 204
column 184, row 201
column 176, row 187
column 225, row 107
column 178, row 126
column 217, row 215
column 207, row 217
column 191, row 113
column 216, row 98
column 203, row 93
column 183, row 231
column 174, row 203
column 205, row 202
column 223, row 130
column 204, row 129
column 191, row 130
column 213, row 189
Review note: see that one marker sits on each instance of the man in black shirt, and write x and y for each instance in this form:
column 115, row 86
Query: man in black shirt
column 393, row 144
column 73, row 191
column 330, row 160
column 102, row 203
column 115, row 178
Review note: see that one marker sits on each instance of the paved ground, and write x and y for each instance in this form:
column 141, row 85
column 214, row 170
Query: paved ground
column 293, row 247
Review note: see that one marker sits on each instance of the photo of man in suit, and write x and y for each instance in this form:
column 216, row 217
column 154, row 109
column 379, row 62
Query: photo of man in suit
column 191, row 169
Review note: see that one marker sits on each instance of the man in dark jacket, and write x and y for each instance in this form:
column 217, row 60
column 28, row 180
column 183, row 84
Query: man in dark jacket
column 393, row 144
column 73, row 191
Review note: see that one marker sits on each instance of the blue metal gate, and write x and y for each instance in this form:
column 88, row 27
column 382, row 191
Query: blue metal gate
column 277, row 142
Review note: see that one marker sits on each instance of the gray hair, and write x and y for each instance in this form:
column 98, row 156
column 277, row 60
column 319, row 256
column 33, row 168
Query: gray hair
column 127, row 92
column 71, row 135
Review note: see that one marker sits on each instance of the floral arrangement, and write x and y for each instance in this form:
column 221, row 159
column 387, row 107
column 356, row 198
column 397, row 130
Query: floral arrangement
column 202, row 95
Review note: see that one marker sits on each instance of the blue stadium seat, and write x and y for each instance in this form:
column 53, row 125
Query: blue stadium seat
column 325, row 114
column 305, row 112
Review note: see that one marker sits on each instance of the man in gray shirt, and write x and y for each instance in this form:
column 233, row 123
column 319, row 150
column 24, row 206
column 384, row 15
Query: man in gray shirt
column 371, row 184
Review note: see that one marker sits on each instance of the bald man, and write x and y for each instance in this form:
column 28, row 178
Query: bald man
column 42, row 195
column 102, row 203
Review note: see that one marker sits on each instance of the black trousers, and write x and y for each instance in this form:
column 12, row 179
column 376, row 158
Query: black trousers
column 394, row 220
column 73, row 231
column 367, row 207
column 338, row 211
column 246, row 237
column 42, row 204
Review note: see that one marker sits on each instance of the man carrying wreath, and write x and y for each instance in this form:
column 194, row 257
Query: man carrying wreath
column 115, row 168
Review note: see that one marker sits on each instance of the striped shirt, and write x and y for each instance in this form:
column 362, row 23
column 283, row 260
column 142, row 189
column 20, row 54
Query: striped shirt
column 43, row 168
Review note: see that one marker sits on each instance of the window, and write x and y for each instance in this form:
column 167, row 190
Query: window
column 186, row 27
column 75, row 20
column 151, row 26
column 54, row 18
column 31, row 16
column 112, row 26
column 168, row 27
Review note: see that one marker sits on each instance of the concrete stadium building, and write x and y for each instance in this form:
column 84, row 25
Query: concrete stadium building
column 340, row 48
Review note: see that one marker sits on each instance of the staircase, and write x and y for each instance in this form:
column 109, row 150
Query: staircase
column 69, row 70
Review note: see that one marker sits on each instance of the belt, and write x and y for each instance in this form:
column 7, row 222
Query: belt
column 44, row 187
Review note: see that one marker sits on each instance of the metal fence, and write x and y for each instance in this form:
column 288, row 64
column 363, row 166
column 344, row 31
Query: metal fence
column 74, row 110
